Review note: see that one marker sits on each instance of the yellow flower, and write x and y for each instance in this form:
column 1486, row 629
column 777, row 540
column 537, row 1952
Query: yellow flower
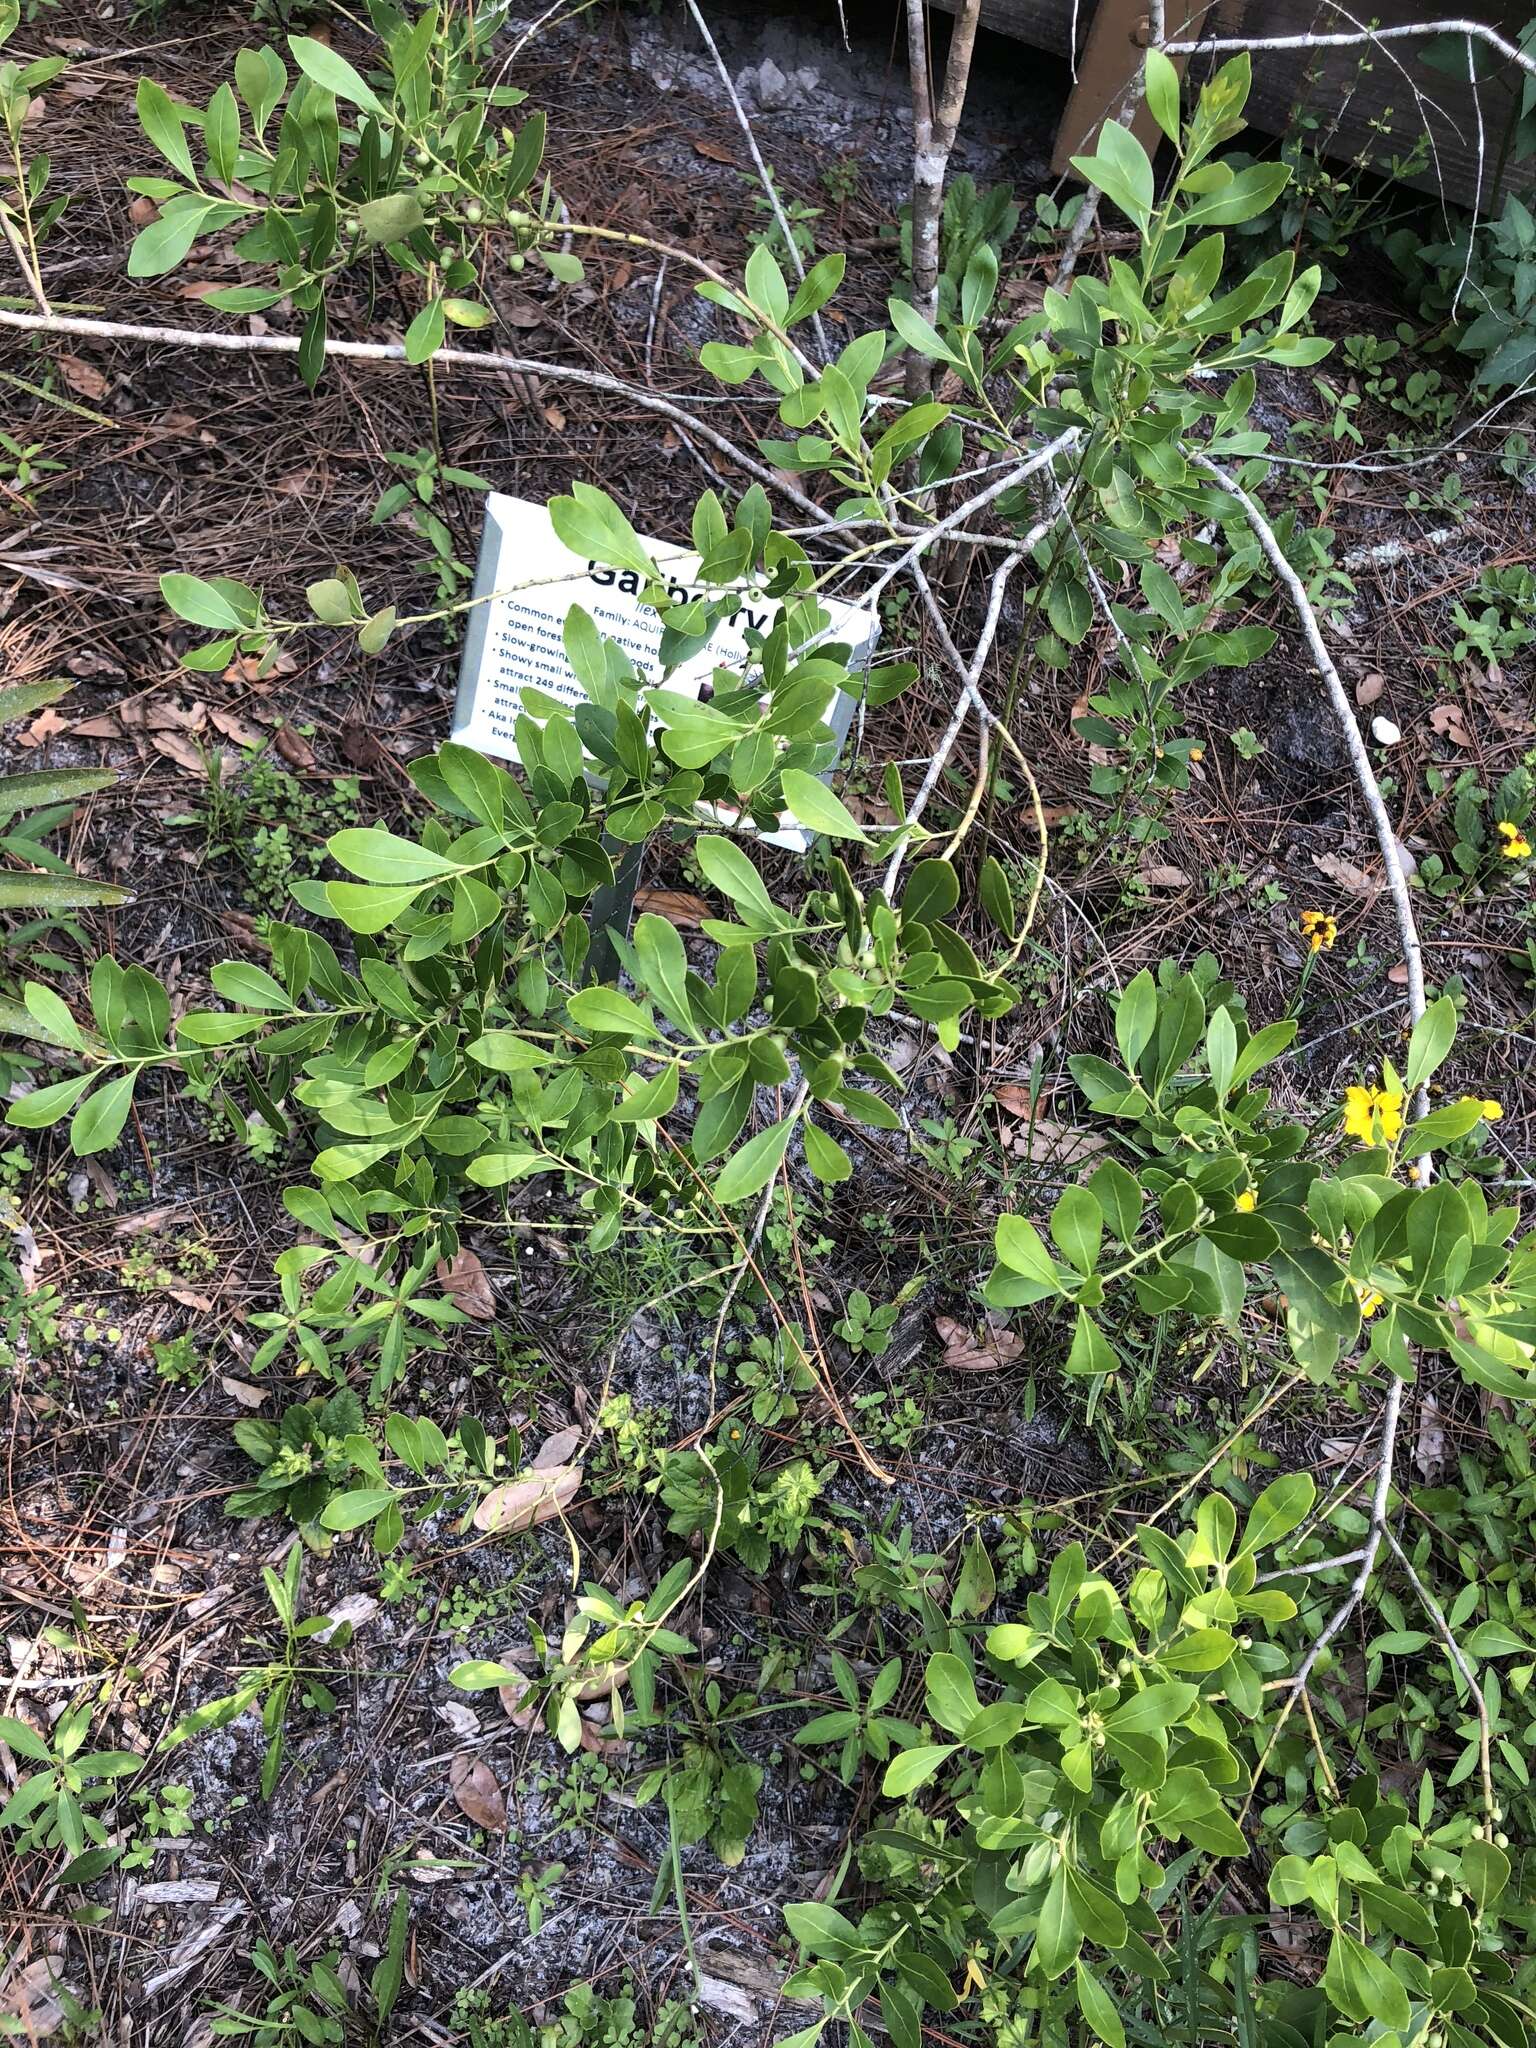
column 1492, row 1110
column 1413, row 1170
column 1373, row 1115
column 1246, row 1201
column 1368, row 1299
column 1516, row 846
column 1319, row 930
column 1197, row 753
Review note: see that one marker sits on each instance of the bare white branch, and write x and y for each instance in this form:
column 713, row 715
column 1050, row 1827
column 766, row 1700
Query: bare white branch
column 1349, row 39
column 764, row 175
column 1344, row 712
column 453, row 358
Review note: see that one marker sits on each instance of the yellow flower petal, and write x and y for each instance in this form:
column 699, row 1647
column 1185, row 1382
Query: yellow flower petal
column 1373, row 1115
column 1358, row 1104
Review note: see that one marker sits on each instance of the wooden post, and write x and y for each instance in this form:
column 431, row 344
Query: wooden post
column 1107, row 69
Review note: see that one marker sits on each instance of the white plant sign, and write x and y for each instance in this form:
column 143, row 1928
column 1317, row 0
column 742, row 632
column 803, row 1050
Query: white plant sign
column 529, row 579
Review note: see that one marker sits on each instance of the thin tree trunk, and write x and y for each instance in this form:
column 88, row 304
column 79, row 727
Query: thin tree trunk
column 933, row 138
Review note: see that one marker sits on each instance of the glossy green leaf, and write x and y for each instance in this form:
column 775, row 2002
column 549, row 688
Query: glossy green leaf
column 815, row 806
column 749, row 1171
column 329, row 69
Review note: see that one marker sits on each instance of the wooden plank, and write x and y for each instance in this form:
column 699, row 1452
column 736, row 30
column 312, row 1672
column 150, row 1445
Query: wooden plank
column 1373, row 104
column 1111, row 59
column 1370, row 102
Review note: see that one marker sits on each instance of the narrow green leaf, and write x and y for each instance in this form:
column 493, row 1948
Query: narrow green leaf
column 99, row 1120
column 332, row 71
column 163, row 125
column 749, row 1171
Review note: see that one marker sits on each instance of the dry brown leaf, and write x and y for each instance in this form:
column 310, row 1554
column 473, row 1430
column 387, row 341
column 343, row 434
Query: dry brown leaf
column 715, row 151
column 1449, row 721
column 556, row 1449
column 90, row 662
column 596, row 1743
column 1013, row 1100
column 476, row 1792
column 1429, row 1441
column 678, row 906
column 604, row 1682
column 512, row 1696
column 293, row 747
column 146, row 1219
column 83, row 378
column 176, row 747
column 463, row 1278
column 32, row 1997
column 1345, row 874
column 362, row 749
column 968, row 1350
column 142, row 211
column 243, row 1392
column 1368, row 689
column 1161, row 876
column 44, row 727
column 871, row 810
column 234, row 727
column 1042, row 1138
column 1398, row 975
column 143, row 714
column 555, row 418
column 249, row 669
column 520, row 1504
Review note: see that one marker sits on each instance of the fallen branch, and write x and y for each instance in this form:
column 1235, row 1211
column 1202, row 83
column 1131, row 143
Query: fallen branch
column 1386, row 838
column 456, row 358
column 1360, row 760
